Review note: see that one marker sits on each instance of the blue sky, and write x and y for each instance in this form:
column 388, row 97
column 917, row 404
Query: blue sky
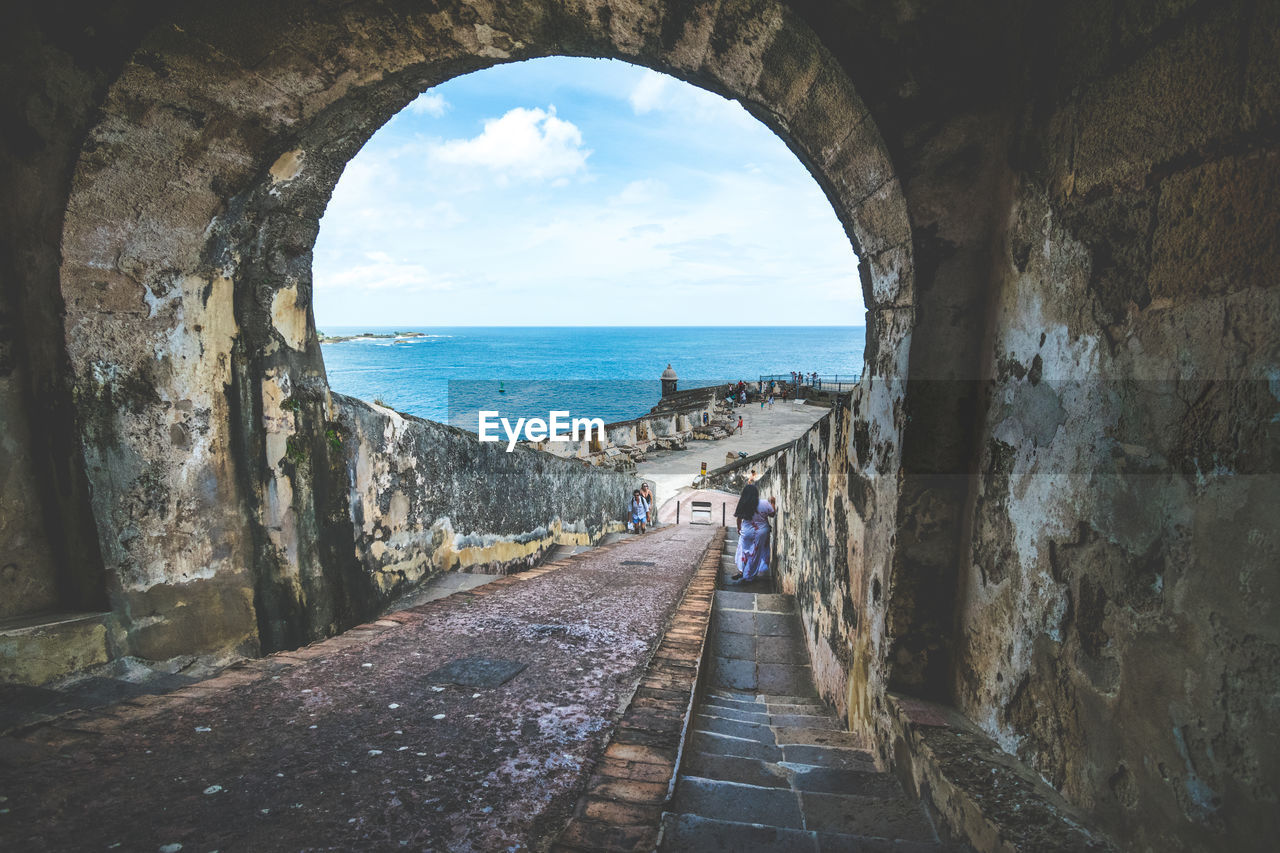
column 579, row 192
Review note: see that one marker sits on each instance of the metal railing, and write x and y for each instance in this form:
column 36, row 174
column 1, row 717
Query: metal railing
column 821, row 382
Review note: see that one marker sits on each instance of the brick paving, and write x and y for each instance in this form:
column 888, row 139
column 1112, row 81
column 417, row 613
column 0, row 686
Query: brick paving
column 348, row 745
column 622, row 805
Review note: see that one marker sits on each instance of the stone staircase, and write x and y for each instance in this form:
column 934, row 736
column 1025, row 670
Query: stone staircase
column 767, row 766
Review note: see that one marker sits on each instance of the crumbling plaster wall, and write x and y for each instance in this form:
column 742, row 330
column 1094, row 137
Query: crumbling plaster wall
column 427, row 497
column 1118, row 625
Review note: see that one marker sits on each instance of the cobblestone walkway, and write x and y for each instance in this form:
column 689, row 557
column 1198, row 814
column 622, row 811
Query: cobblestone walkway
column 360, row 742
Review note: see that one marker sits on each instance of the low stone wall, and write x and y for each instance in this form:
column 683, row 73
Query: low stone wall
column 426, row 497
column 733, row 476
column 817, row 557
column 675, row 419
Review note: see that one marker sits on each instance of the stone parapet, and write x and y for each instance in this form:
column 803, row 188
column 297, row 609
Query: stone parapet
column 491, row 511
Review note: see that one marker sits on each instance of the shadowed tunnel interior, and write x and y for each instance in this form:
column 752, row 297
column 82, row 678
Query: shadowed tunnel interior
column 1048, row 509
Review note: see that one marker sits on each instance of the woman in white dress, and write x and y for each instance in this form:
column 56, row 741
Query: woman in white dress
column 752, row 557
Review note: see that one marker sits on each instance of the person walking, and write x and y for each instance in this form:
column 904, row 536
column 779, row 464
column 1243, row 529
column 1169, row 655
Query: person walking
column 639, row 512
column 739, row 423
column 752, row 556
column 648, row 500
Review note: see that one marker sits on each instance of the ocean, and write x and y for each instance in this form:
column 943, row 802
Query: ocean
column 447, row 374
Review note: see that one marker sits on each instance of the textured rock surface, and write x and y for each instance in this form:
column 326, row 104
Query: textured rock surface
column 426, row 497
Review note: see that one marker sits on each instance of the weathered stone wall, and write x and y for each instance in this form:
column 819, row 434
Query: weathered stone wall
column 1066, row 214
column 664, row 424
column 28, row 581
column 426, row 497
column 1118, row 623
column 818, row 558
column 836, row 489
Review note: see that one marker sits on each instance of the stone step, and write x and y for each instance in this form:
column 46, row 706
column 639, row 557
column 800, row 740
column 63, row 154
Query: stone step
column 731, row 713
column 861, row 779
column 736, row 728
column 896, row 817
column 736, row 695
column 799, row 706
column 733, row 801
column 733, row 768
column 715, row 744
column 750, row 622
column 684, row 832
column 825, row 756
column 785, row 649
column 723, row 696
column 866, row 783
column 787, row 735
column 813, row 716
column 739, row 674
column 771, row 699
column 805, row 721
column 763, row 602
column 781, row 676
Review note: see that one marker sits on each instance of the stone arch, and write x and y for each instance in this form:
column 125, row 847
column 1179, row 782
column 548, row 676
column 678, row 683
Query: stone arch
column 200, row 388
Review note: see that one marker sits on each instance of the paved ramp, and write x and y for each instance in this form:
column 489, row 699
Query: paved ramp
column 467, row 723
column 722, row 506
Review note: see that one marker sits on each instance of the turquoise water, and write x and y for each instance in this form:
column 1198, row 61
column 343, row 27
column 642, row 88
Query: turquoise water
column 606, row 372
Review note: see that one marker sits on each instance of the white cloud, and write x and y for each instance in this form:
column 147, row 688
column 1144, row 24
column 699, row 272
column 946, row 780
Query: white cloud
column 693, row 212
column 428, row 104
column 644, row 191
column 381, row 272
column 649, row 93
column 686, row 104
column 526, row 144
